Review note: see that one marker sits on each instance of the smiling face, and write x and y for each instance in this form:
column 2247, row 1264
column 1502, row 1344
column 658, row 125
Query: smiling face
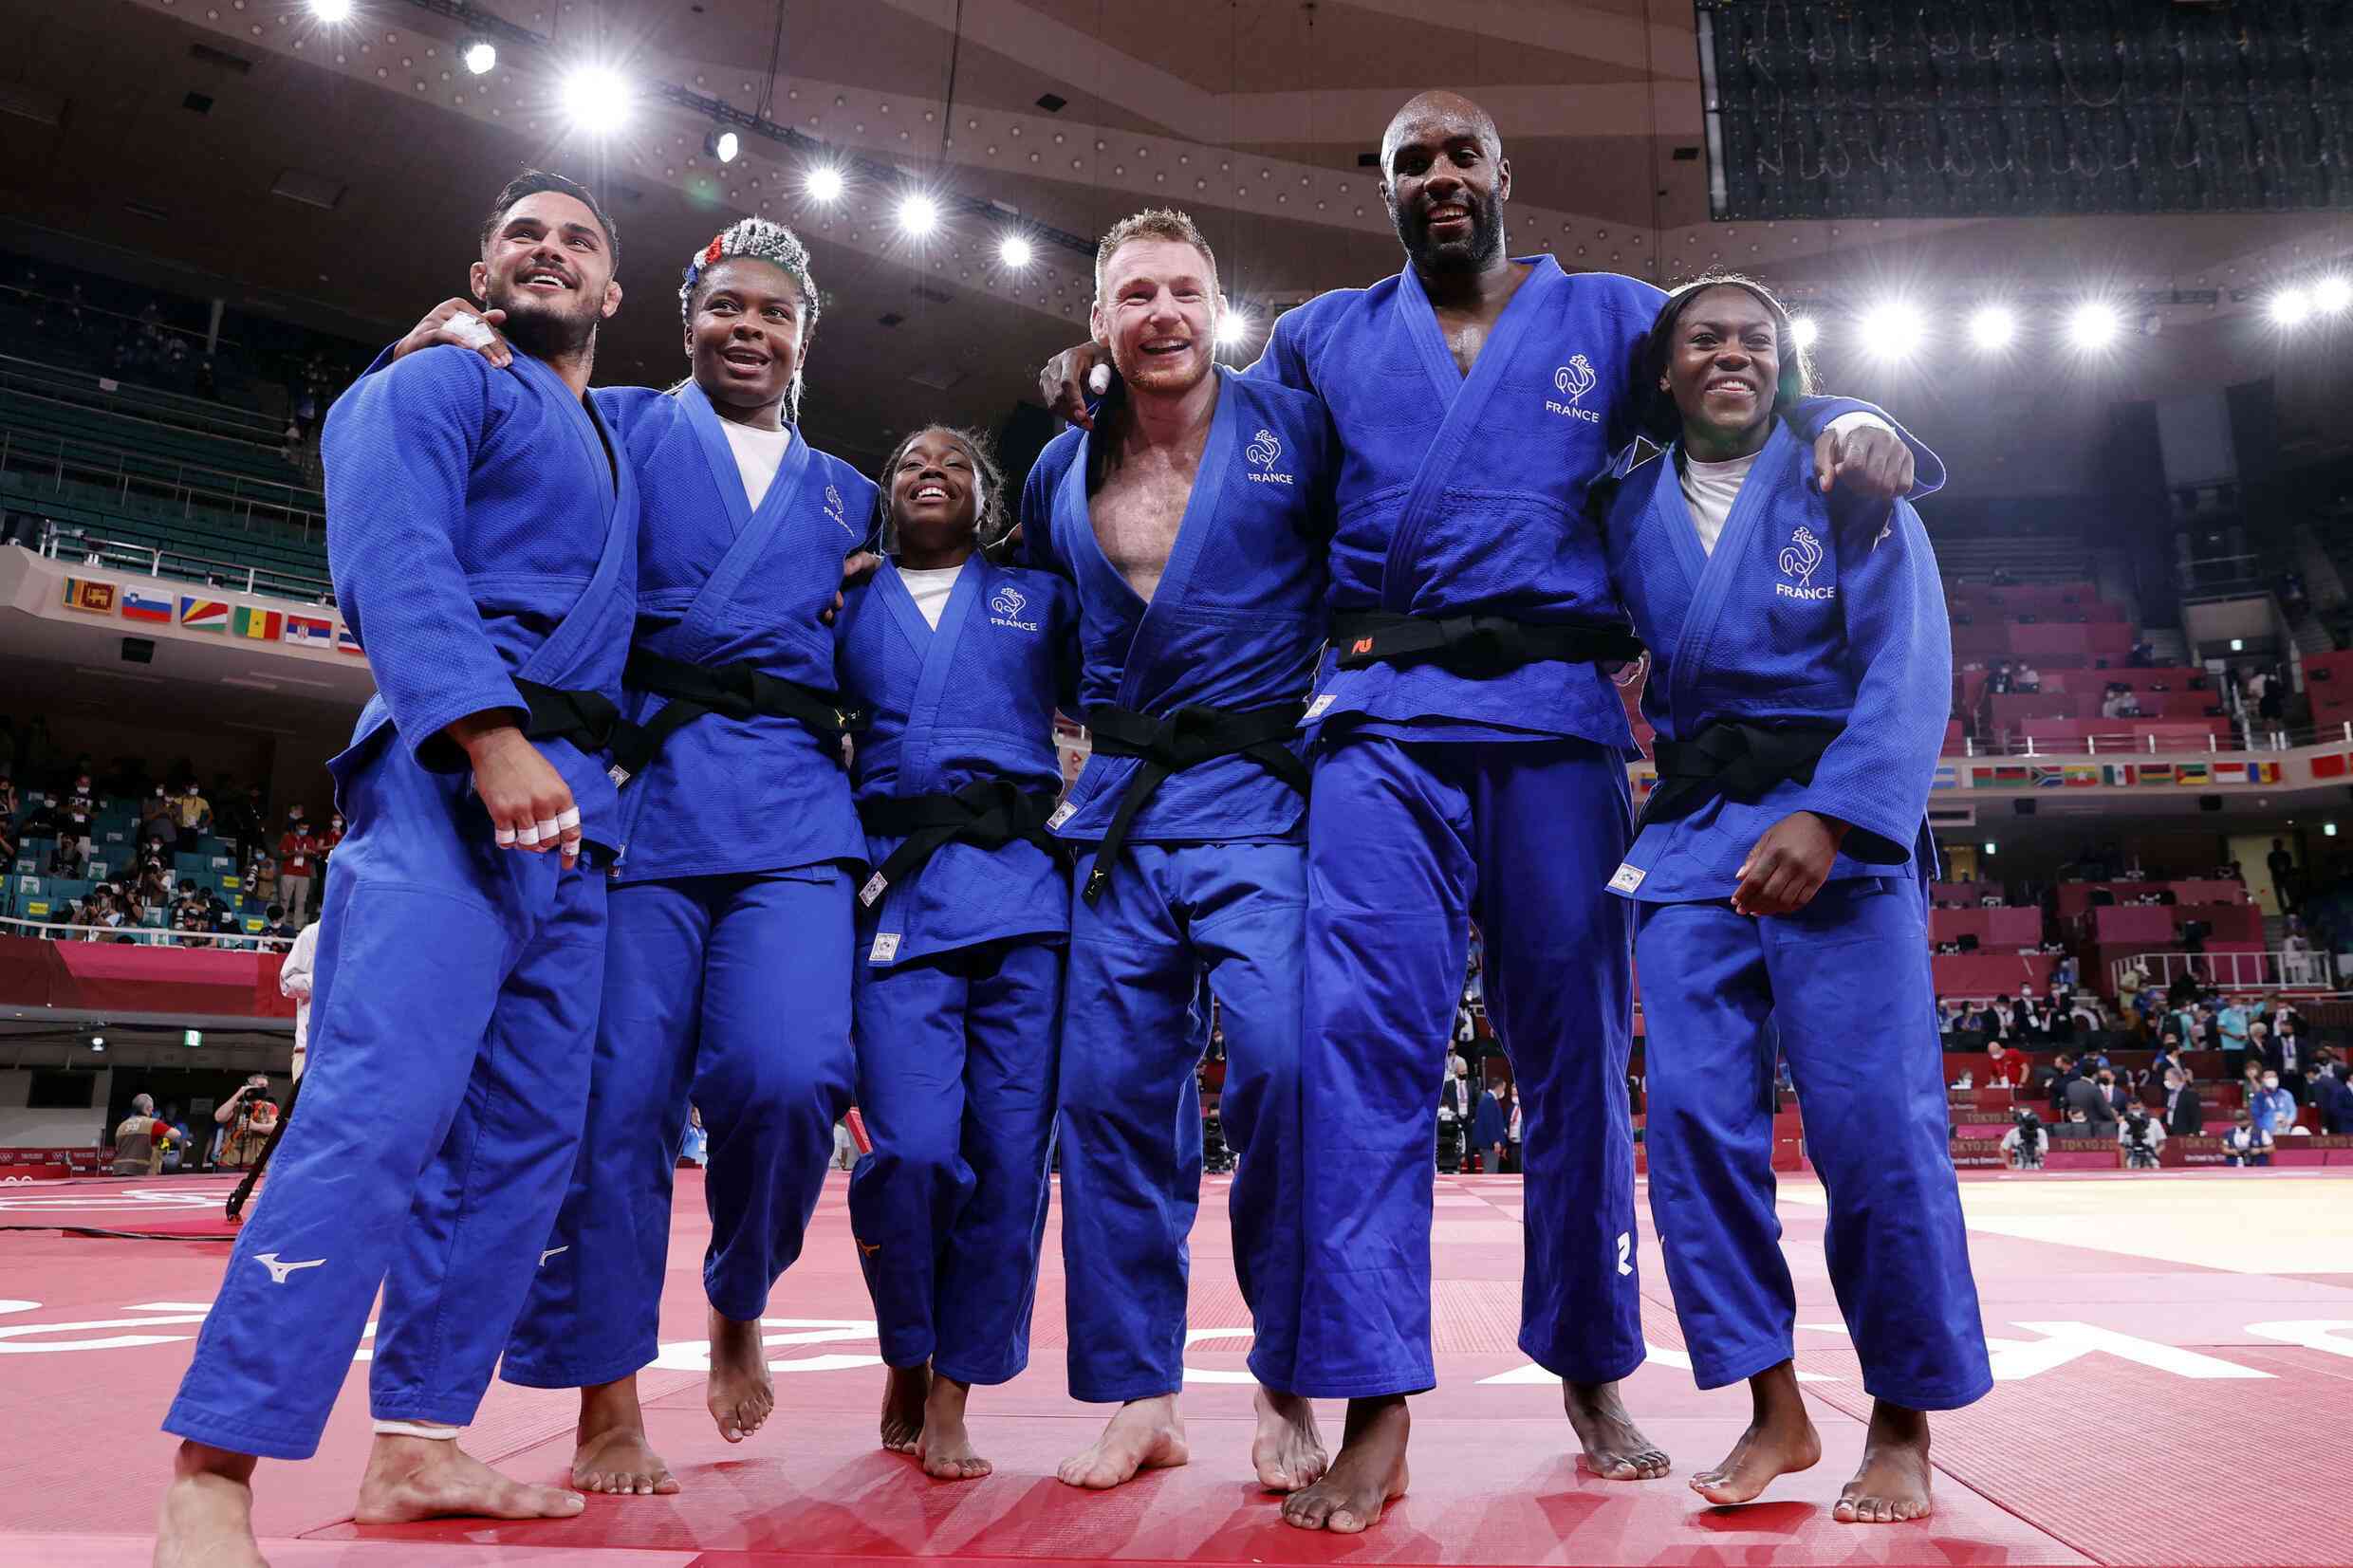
column 934, row 497
column 548, row 266
column 1158, row 313
column 744, row 334
column 1445, row 180
column 1722, row 369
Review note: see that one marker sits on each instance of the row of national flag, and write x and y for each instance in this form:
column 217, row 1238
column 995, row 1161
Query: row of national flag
column 194, row 613
column 2091, row 775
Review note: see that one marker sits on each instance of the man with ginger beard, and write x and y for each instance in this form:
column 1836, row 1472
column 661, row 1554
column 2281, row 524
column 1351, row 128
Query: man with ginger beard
column 483, row 545
column 1191, row 522
column 1476, row 398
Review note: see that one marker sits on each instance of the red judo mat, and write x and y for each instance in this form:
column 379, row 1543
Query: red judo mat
column 2174, row 1356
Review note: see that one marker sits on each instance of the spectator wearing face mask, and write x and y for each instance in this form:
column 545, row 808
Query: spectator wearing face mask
column 2274, row 1108
column 327, row 841
column 2093, row 1099
column 2185, row 1114
column 192, row 815
column 155, row 815
column 2333, row 1094
column 298, row 847
column 2234, row 1025
column 2283, row 1051
column 2004, row 1065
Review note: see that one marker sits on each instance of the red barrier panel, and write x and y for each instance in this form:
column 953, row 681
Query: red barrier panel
column 2075, row 897
column 125, row 977
column 2129, row 923
column 1993, row 928
column 1973, row 974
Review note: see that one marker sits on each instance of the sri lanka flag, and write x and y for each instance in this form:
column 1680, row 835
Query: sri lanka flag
column 261, row 625
column 96, row 598
column 306, row 632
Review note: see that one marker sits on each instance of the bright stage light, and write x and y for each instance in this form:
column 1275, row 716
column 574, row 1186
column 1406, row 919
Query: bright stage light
column 823, row 183
column 2094, row 325
column 2332, row 294
column 1805, row 331
column 917, row 215
column 331, row 12
column 480, row 56
column 1014, row 252
column 1892, row 332
column 597, row 99
column 1233, row 327
column 2290, row 306
column 1993, row 327
column 723, row 145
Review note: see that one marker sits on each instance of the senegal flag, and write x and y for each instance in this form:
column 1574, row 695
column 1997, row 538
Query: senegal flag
column 261, row 625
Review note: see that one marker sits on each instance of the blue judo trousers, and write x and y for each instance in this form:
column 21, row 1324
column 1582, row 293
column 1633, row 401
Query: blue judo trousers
column 480, row 536
column 956, row 1004
column 1450, row 787
column 1212, row 878
column 728, row 983
column 1818, row 614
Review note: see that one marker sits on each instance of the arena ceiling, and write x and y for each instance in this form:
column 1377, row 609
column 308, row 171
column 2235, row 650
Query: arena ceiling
column 1251, row 114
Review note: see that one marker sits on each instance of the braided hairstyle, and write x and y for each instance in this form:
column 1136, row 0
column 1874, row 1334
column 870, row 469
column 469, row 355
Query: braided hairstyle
column 990, row 521
column 758, row 239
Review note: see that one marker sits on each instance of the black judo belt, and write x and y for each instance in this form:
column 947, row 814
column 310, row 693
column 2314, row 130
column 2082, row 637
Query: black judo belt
column 588, row 719
column 1476, row 646
column 1743, row 762
column 736, row 690
column 1186, row 738
column 987, row 813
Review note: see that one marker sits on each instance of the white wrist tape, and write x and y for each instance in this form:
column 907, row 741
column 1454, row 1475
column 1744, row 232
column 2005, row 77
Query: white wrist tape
column 468, row 328
column 433, row 1429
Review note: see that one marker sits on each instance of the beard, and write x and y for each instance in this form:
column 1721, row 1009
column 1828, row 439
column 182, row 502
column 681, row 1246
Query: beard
column 542, row 328
column 1477, row 248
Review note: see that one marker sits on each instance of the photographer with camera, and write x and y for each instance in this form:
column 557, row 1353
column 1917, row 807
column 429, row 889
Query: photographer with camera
column 2024, row 1145
column 249, row 1116
column 2247, row 1142
column 2139, row 1135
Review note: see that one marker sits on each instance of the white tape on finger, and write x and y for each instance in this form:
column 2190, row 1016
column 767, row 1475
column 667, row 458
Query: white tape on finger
column 526, row 835
column 569, row 819
column 549, row 827
column 470, row 329
column 504, row 837
column 1099, row 380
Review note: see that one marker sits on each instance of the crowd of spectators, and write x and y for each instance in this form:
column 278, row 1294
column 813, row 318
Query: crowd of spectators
column 134, row 892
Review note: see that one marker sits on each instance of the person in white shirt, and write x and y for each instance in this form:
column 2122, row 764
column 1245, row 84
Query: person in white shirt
column 294, row 980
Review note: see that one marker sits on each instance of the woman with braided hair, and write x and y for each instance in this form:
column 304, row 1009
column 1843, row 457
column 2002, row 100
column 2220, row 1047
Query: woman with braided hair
column 961, row 931
column 727, row 979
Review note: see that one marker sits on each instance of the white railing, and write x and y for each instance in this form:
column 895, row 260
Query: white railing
column 67, row 545
column 2230, row 971
column 144, row 936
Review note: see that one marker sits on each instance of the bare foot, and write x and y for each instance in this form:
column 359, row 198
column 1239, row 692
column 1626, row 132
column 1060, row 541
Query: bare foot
column 1892, row 1485
column 947, row 1447
column 904, row 1389
column 1780, row 1441
column 1615, row 1448
column 413, row 1477
column 1288, row 1451
column 1366, row 1475
column 1145, row 1434
column 206, row 1518
column 612, row 1454
column 740, row 1393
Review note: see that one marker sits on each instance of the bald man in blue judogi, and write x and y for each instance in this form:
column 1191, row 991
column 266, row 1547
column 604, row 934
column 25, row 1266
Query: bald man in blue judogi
column 1188, row 822
column 483, row 545
column 958, row 980
column 1801, row 664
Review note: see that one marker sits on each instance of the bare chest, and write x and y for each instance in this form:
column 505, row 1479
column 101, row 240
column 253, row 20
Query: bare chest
column 1138, row 511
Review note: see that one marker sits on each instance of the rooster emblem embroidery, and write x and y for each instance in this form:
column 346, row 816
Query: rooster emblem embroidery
column 1008, row 601
column 1264, row 451
column 1800, row 556
column 1575, row 378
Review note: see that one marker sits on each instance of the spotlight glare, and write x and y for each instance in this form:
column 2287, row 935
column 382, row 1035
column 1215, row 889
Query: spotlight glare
column 480, row 56
column 2290, row 306
column 825, row 183
column 1805, row 332
column 1233, row 327
column 2333, row 294
column 1014, row 252
column 2094, row 325
column 917, row 215
column 331, row 12
column 723, row 145
column 1891, row 331
column 597, row 98
column 1993, row 327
